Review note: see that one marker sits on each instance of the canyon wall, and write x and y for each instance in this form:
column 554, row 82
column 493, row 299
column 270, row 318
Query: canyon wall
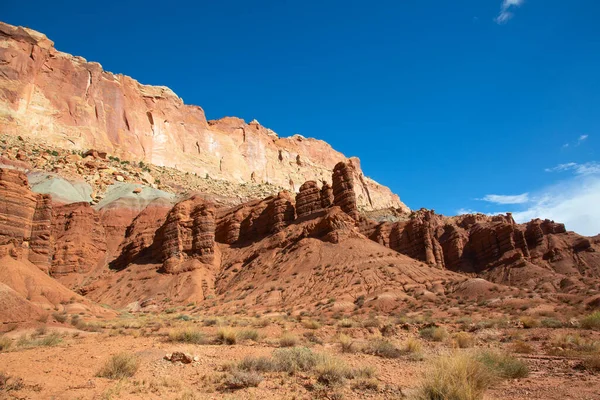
column 62, row 99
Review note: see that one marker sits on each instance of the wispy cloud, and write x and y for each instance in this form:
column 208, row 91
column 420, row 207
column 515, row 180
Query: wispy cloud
column 589, row 168
column 506, row 10
column 506, row 199
column 580, row 140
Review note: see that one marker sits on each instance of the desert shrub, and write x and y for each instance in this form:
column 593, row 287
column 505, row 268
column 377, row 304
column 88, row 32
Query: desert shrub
column 331, row 371
column 413, row 348
column 592, row 363
column 248, row 334
column 40, row 331
column 529, row 322
column 437, row 334
column 311, row 324
column 288, row 340
column 311, row 337
column 463, row 340
column 504, row 365
column 5, row 343
column 551, row 323
column 227, row 336
column 119, row 366
column 365, row 372
column 211, row 321
column 257, row 364
column 591, row 321
column 295, row 359
column 60, row 317
column 52, row 339
column 345, row 323
column 347, row 344
column 458, row 376
column 388, row 330
column 366, row 384
column 382, row 348
column 575, row 343
column 262, row 323
column 8, row 383
column 241, row 379
column 188, row 335
column 371, row 323
column 522, row 348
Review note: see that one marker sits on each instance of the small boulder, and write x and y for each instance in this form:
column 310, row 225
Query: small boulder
column 181, row 357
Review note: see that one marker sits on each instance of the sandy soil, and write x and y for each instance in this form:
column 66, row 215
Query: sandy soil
column 68, row 370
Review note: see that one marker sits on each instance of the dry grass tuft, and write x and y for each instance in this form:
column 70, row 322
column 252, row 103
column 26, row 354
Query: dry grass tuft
column 464, row 340
column 332, row 371
column 382, row 348
column 457, row 376
column 227, row 336
column 437, row 334
column 187, row 336
column 122, row 365
column 288, row 340
column 522, row 348
column 530, row 322
column 311, row 324
column 5, row 343
column 295, row 359
column 347, row 344
column 249, row 334
column 504, row 365
column 592, row 363
column 591, row 321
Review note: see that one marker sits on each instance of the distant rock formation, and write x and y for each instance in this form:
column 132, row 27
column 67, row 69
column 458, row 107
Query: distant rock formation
column 492, row 246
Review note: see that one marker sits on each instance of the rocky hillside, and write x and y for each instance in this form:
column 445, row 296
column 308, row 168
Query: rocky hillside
column 74, row 104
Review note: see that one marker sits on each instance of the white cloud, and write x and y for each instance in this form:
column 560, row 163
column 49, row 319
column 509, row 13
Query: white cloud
column 574, row 203
column 589, row 168
column 583, row 137
column 506, row 199
column 505, row 10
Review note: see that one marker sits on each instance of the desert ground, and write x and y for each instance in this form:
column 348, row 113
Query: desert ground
column 304, row 357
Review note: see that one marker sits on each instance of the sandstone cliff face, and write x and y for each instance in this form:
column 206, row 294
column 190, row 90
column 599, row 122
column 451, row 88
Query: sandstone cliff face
column 344, row 195
column 187, row 238
column 24, row 220
column 75, row 104
column 79, row 239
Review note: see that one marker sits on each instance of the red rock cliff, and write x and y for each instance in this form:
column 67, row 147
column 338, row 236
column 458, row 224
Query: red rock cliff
column 72, row 103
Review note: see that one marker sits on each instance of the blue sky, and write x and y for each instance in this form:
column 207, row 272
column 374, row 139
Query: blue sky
column 485, row 105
